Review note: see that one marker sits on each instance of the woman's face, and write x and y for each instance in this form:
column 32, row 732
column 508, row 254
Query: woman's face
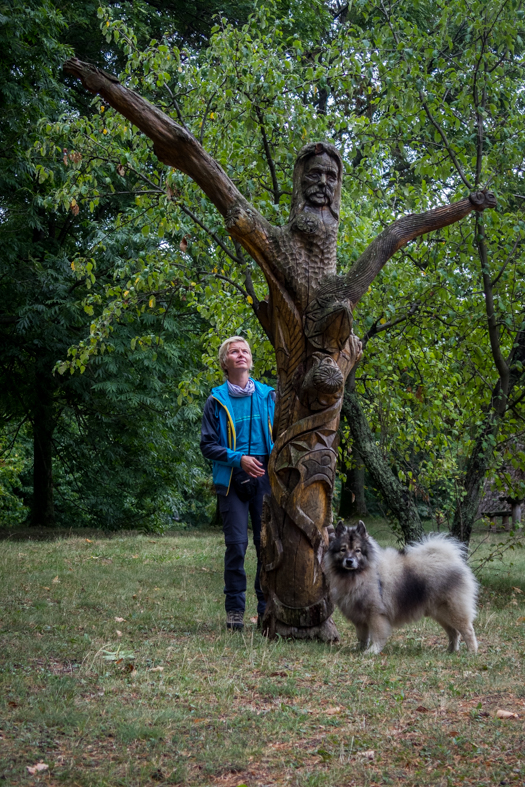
column 238, row 357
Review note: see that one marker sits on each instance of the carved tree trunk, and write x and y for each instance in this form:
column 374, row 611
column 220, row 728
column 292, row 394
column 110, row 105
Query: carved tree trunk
column 308, row 318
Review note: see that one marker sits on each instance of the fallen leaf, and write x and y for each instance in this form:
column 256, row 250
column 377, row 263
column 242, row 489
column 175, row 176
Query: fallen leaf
column 369, row 754
column 89, row 540
column 282, row 674
column 253, row 620
column 119, row 633
column 56, row 581
column 422, row 709
column 521, row 620
column 13, row 704
column 506, row 714
column 518, row 590
column 44, row 587
column 38, row 768
column 120, row 620
column 134, row 556
column 332, row 711
column 151, row 542
column 156, row 669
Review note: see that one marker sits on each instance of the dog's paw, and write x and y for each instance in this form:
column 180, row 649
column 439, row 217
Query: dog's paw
column 374, row 649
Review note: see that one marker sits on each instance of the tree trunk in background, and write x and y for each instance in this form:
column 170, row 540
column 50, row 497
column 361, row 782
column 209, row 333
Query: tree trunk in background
column 353, row 503
column 482, row 455
column 397, row 497
column 42, row 507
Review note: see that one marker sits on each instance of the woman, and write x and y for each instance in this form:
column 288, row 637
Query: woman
column 236, row 435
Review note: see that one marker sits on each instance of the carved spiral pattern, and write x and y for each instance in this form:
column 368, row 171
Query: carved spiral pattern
column 328, row 378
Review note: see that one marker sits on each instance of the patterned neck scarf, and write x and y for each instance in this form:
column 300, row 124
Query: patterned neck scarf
column 236, row 390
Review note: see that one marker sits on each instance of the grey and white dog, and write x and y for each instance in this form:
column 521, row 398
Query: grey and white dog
column 381, row 589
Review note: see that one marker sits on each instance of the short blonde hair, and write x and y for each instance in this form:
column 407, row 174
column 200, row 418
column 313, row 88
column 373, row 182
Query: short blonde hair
column 225, row 346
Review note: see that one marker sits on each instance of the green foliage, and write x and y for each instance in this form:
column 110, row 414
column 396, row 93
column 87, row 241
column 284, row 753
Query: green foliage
column 425, row 101
column 113, row 431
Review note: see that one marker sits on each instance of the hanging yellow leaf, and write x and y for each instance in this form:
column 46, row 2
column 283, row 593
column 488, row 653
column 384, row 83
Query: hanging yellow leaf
column 249, row 299
column 152, row 302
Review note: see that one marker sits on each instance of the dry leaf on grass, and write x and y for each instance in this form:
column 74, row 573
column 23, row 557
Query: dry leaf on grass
column 253, row 620
column 56, row 580
column 422, row 709
column 119, row 633
column 120, row 620
column 506, row 714
column 332, row 711
column 368, row 755
column 38, row 768
column 156, row 669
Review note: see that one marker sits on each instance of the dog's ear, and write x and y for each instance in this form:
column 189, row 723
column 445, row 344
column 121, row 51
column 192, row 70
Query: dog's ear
column 340, row 529
column 361, row 529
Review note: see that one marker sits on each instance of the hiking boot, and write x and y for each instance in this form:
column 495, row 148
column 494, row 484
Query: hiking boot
column 235, row 620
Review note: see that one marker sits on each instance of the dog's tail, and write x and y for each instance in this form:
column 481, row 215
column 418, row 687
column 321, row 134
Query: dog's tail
column 440, row 544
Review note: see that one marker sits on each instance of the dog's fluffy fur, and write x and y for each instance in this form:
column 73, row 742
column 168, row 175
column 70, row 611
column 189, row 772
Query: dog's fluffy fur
column 380, row 589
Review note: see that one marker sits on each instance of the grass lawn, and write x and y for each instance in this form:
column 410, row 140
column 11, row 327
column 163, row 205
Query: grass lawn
column 116, row 669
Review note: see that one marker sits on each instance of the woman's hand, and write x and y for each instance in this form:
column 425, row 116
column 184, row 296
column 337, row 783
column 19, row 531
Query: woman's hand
column 252, row 466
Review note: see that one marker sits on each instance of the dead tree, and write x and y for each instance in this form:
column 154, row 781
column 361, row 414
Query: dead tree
column 308, row 317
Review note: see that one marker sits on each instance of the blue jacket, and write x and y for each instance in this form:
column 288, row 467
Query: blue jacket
column 218, row 438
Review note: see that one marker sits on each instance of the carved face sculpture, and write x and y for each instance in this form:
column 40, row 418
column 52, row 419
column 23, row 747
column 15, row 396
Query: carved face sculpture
column 319, row 180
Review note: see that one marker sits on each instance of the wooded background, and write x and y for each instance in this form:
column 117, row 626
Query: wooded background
column 118, row 280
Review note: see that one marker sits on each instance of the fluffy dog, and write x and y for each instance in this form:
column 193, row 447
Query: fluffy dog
column 381, row 589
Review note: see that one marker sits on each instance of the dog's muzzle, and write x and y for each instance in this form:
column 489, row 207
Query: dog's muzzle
column 350, row 563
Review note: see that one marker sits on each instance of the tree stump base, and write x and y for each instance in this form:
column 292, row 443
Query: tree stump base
column 324, row 632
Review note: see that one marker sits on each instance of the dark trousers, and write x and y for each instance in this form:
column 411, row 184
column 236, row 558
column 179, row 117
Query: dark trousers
column 234, row 513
